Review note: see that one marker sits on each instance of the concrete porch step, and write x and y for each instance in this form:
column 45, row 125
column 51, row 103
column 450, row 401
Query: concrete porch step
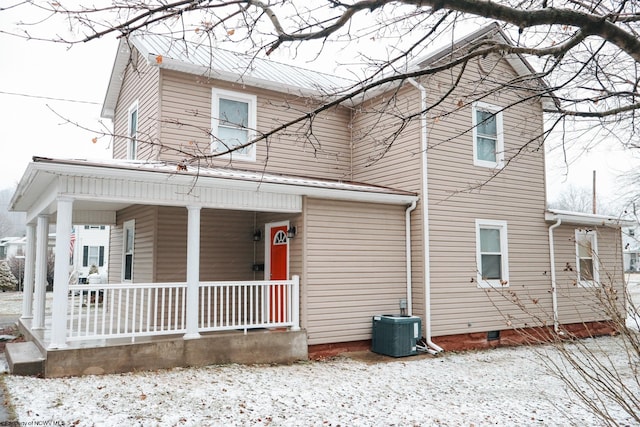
column 25, row 358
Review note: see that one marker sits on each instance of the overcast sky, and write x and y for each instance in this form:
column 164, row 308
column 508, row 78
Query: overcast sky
column 44, row 84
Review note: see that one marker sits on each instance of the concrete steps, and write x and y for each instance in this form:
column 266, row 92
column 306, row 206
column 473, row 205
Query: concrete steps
column 25, row 358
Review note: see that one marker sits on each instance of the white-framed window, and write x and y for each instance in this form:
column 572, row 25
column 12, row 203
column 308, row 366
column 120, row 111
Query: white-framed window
column 128, row 239
column 233, row 124
column 93, row 255
column 488, row 139
column 587, row 257
column 492, row 254
column 132, row 131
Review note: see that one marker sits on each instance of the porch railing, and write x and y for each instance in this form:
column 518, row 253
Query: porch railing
column 150, row 309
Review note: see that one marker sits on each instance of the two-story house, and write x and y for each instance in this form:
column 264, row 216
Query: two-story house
column 426, row 194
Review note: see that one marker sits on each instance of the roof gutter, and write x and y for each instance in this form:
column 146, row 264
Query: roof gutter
column 425, row 217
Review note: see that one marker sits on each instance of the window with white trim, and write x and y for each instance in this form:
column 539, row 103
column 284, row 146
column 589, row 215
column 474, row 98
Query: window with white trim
column 492, row 258
column 128, row 239
column 587, row 257
column 233, row 124
column 93, row 255
column 132, row 131
column 488, row 140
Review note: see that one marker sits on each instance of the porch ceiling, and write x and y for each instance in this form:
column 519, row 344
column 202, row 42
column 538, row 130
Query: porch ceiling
column 107, row 186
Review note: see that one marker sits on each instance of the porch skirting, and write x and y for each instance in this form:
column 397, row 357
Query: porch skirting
column 254, row 347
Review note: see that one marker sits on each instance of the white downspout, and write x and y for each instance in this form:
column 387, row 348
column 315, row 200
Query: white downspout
column 425, row 215
column 407, row 232
column 554, row 290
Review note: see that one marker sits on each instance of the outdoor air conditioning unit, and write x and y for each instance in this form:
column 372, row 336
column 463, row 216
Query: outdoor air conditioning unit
column 396, row 335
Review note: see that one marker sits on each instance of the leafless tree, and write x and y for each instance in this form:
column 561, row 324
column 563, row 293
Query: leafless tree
column 587, row 52
column 603, row 376
column 575, row 199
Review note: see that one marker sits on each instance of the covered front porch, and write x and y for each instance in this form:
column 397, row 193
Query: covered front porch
column 122, row 328
column 229, row 233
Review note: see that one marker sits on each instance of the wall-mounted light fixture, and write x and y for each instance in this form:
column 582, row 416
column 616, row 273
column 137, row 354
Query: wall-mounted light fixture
column 291, row 232
column 257, row 235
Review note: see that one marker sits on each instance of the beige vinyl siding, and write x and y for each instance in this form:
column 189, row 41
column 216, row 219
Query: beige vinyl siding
column 186, row 125
column 226, row 245
column 379, row 156
column 460, row 193
column 144, row 244
column 577, row 304
column 141, row 82
column 355, row 268
column 397, row 166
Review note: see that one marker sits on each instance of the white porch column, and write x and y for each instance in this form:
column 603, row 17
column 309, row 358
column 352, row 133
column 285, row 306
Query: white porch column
column 61, row 274
column 42, row 243
column 193, row 271
column 29, row 264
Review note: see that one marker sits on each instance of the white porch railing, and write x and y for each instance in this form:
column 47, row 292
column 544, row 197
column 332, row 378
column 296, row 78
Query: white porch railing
column 149, row 309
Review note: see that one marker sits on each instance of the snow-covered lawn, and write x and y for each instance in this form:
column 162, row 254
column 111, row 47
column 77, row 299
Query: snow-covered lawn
column 503, row 387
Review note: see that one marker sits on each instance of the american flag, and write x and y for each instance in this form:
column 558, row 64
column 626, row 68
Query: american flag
column 72, row 241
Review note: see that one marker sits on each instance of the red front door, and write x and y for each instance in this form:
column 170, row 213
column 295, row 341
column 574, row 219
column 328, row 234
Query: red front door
column 278, row 271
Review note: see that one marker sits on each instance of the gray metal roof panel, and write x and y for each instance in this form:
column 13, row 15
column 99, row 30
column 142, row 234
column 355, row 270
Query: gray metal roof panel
column 207, row 59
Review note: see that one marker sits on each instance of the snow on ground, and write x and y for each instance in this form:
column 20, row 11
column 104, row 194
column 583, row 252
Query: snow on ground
column 503, row 387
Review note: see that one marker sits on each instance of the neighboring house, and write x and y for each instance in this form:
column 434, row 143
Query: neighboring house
column 297, row 242
column 8, row 248
column 631, row 245
column 16, row 246
column 90, row 245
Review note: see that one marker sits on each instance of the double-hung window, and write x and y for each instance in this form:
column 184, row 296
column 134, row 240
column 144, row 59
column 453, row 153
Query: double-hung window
column 492, row 258
column 587, row 257
column 233, row 124
column 132, row 132
column 127, row 250
column 488, row 141
column 93, row 255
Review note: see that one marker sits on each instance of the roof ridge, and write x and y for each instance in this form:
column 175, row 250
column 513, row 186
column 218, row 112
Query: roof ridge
column 246, row 55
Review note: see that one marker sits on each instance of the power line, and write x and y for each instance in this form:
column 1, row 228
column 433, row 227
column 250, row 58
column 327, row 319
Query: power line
column 26, row 95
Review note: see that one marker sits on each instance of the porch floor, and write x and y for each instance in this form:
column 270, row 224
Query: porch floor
column 116, row 355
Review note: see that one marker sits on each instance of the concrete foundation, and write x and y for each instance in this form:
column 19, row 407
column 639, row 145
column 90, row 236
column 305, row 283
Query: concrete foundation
column 254, row 347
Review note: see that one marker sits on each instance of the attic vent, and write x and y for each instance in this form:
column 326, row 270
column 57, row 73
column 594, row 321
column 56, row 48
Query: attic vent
column 486, row 64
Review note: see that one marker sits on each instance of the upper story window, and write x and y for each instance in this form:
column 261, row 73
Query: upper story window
column 492, row 254
column 233, row 124
column 488, row 142
column 586, row 257
column 132, row 133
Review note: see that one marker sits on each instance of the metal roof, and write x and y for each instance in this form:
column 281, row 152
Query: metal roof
column 220, row 62
column 207, row 60
column 37, row 179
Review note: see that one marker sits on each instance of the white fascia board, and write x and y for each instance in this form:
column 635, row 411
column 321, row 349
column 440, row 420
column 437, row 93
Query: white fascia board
column 580, row 218
column 361, row 195
column 115, row 80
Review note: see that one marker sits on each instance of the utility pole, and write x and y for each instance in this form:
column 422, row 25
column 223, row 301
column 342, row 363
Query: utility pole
column 594, row 192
